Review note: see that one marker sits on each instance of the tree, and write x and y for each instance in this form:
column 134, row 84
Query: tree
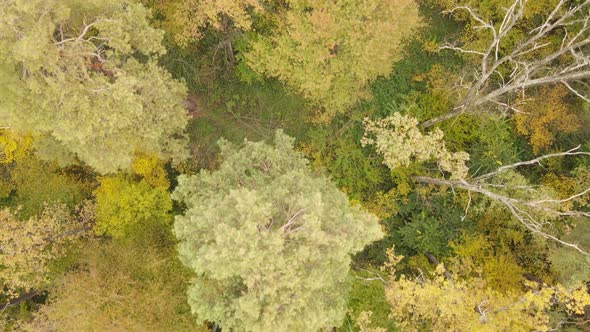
column 36, row 183
column 400, row 142
column 14, row 146
column 28, row 247
column 185, row 19
column 119, row 287
column 512, row 61
column 444, row 303
column 124, row 206
column 328, row 51
column 269, row 240
column 84, row 78
column 151, row 169
column 545, row 116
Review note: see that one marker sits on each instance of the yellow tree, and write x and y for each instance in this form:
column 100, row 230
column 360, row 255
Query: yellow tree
column 28, row 247
column 329, row 50
column 545, row 116
column 123, row 206
column 446, row 302
column 119, row 287
column 185, row 19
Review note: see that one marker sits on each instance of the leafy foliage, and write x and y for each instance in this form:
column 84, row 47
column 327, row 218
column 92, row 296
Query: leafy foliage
column 83, row 77
column 400, row 142
column 293, row 233
column 119, row 287
column 123, row 206
column 28, row 247
column 185, row 20
column 328, row 51
column 14, row 146
column 546, row 116
column 463, row 305
column 151, row 169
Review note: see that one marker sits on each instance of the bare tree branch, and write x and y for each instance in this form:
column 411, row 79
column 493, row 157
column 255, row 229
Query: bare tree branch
column 573, row 63
column 525, row 218
column 522, row 207
column 570, row 152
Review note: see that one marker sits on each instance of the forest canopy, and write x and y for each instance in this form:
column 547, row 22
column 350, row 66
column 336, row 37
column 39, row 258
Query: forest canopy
column 294, row 165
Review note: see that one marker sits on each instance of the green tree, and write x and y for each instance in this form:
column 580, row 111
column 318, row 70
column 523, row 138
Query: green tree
column 83, row 76
column 36, row 183
column 269, row 240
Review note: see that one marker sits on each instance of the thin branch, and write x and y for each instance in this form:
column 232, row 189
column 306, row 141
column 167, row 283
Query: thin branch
column 570, row 152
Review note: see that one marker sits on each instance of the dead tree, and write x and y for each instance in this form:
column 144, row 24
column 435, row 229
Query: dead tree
column 532, row 62
column 522, row 209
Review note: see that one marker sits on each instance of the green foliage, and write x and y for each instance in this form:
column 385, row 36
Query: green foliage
column 83, row 77
column 573, row 268
column 342, row 155
column 270, row 241
column 36, row 183
column 428, row 225
column 493, row 145
column 124, row 206
column 368, row 296
column 236, row 110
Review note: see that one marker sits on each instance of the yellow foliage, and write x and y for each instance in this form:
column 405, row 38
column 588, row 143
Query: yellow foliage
column 118, row 288
column 328, row 51
column 546, row 115
column 470, row 305
column 122, row 205
column 151, row 169
column 27, row 247
column 363, row 322
column 14, row 146
column 185, row 18
column 475, row 256
column 566, row 186
column 384, row 205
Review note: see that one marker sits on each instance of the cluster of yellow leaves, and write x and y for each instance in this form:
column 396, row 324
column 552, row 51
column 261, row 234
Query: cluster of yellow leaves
column 470, row 305
column 14, row 146
column 385, row 204
column 546, row 115
column 475, row 256
column 184, row 19
column 151, row 169
column 567, row 186
column 27, row 247
column 401, row 143
column 363, row 322
column 122, row 204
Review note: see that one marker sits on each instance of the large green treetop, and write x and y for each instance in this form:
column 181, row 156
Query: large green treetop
column 82, row 75
column 270, row 240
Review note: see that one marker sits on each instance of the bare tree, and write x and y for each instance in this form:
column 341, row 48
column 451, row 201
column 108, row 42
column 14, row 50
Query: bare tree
column 525, row 210
column 534, row 61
